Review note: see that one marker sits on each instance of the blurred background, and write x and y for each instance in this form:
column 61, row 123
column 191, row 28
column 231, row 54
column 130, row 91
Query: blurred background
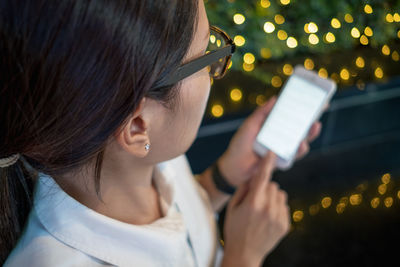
column 345, row 194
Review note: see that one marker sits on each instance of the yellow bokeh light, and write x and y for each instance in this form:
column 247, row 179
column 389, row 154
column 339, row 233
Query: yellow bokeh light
column 368, row 31
column 313, row 209
column 386, row 50
column 355, row 199
column 378, row 73
column 375, row 202
column 348, row 18
column 312, row 27
column 230, row 64
column 360, row 62
column 298, row 215
column 364, row 40
column 265, row 52
column 219, row 43
column 212, row 38
column 282, row 35
column 249, row 58
column 368, row 9
column 398, row 194
column 285, row 2
column 279, row 19
column 248, row 67
column 239, row 40
column 344, row 74
column 260, row 100
column 389, row 18
column 265, row 3
column 344, row 200
column 326, row 202
column 355, row 32
column 276, row 81
column 382, row 189
column 217, row 110
column 287, row 69
column 340, row 208
column 313, row 39
column 323, row 73
column 395, row 56
column 386, row 178
column 330, row 37
column 396, row 17
column 306, row 28
column 398, row 34
column 236, row 94
column 336, row 23
column 269, row 27
column 238, row 18
column 291, row 42
column 388, row 202
column 309, row 64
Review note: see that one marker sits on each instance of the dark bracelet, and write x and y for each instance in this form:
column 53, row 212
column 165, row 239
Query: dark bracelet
column 220, row 182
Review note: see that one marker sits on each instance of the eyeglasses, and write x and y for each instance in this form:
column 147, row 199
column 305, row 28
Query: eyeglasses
column 217, row 59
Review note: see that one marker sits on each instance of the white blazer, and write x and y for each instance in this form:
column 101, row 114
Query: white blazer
column 61, row 231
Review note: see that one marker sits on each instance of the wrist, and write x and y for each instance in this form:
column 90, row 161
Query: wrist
column 220, row 181
column 238, row 259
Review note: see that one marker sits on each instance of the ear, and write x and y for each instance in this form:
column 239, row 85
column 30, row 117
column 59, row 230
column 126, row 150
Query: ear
column 133, row 137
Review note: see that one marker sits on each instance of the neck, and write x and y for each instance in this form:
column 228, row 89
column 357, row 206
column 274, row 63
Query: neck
column 126, row 188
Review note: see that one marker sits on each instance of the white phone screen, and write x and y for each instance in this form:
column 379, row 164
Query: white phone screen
column 292, row 116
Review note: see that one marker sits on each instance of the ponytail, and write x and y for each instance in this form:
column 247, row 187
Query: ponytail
column 16, row 198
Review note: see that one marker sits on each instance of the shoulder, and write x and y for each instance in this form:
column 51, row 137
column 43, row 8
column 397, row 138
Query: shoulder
column 37, row 247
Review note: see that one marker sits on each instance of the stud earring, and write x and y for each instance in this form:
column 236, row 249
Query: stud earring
column 147, row 147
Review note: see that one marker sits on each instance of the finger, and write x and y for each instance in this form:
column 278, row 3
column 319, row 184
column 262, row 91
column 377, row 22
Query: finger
column 260, row 181
column 272, row 204
column 304, row 148
column 261, row 112
column 314, row 131
column 239, row 195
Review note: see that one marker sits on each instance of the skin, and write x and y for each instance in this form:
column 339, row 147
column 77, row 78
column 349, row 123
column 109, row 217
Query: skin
column 128, row 192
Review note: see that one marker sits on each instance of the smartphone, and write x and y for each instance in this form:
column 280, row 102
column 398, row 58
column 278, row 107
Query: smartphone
column 300, row 103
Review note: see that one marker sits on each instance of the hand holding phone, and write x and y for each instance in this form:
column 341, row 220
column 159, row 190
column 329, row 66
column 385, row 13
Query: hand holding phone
column 299, row 105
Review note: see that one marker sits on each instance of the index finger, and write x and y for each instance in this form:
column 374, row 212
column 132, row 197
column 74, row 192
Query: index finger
column 260, row 181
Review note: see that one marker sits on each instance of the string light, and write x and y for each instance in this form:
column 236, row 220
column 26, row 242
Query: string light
column 279, row 19
column 330, row 37
column 368, row 9
column 249, row 58
column 386, row 50
column 265, row 52
column 312, row 27
column 248, row 67
column 398, row 194
column 313, row 39
column 306, row 28
column 396, row 17
column 287, row 69
column 344, row 74
column 291, row 42
column 355, row 32
column 314, row 209
column 285, row 2
column 395, row 56
column 398, row 34
column 260, row 100
column 298, row 215
column 282, row 35
column 212, row 38
column 364, row 40
column 368, row 31
column 276, row 81
column 269, row 27
column 236, row 94
column 378, row 73
column 382, row 189
column 265, row 3
column 386, row 178
column 340, row 208
column 348, row 18
column 375, row 202
column 355, row 199
column 217, row 110
column 360, row 62
column 389, row 18
column 239, row 19
column 239, row 40
column 336, row 23
column 326, row 202
column 309, row 64
column 323, row 73
column 388, row 202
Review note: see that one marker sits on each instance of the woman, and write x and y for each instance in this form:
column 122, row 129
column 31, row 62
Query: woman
column 96, row 115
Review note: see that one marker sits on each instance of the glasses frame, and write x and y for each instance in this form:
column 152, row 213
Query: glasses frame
column 203, row 61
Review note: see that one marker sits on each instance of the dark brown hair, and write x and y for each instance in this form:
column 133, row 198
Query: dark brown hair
column 71, row 73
